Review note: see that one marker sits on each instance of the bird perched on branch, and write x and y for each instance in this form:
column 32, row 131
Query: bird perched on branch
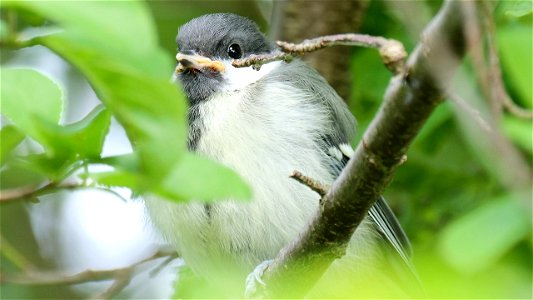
column 264, row 124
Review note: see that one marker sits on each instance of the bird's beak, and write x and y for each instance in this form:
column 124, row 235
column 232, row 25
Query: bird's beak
column 197, row 62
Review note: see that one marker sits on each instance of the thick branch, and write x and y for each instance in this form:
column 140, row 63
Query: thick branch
column 409, row 101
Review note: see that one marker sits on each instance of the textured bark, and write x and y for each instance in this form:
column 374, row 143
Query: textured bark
column 303, row 19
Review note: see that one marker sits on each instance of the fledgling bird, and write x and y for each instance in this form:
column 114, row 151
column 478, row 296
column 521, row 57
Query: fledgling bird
column 264, row 124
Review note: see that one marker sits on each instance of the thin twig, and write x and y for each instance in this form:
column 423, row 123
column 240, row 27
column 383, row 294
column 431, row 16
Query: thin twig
column 121, row 280
column 257, row 60
column 32, row 191
column 488, row 70
column 160, row 267
column 121, row 276
column 499, row 92
column 313, row 184
column 392, row 52
column 473, row 34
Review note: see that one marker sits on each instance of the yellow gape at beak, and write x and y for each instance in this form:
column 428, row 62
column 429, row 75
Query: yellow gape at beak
column 197, row 62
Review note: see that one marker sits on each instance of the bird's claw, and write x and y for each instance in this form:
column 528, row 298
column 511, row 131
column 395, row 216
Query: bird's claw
column 254, row 280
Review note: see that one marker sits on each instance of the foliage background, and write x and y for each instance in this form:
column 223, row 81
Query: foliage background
column 459, row 200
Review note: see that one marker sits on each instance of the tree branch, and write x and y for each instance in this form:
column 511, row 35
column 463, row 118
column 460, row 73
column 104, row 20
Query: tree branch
column 499, row 92
column 25, row 192
column 311, row 183
column 121, row 277
column 32, row 191
column 392, row 52
column 410, row 99
column 487, row 65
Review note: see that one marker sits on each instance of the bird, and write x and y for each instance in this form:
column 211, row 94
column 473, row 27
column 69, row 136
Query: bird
column 263, row 124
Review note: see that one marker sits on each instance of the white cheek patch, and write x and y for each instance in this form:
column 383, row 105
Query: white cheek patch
column 238, row 78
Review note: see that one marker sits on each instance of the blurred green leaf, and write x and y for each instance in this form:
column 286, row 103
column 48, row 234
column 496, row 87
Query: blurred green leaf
column 517, row 8
column 152, row 112
column 478, row 239
column 136, row 89
column 507, row 279
column 130, row 74
column 30, row 99
column 10, row 137
column 108, row 28
column 128, row 162
column 36, row 111
column 20, row 175
column 520, row 131
column 125, row 173
column 117, row 178
column 82, row 139
column 436, row 130
column 55, row 168
column 516, row 45
column 194, row 177
column 210, row 181
column 3, row 30
column 191, row 286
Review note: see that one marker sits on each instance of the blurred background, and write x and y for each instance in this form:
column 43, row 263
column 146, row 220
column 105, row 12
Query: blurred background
column 463, row 196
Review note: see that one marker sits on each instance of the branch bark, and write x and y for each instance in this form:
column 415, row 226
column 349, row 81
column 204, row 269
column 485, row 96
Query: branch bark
column 409, row 101
column 313, row 184
column 121, row 277
column 32, row 192
column 392, row 52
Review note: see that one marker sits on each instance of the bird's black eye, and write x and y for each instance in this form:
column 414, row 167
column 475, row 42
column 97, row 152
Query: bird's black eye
column 234, row 51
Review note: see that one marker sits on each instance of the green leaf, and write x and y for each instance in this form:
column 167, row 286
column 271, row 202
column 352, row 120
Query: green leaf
column 100, row 20
column 108, row 28
column 152, row 112
column 16, row 176
column 130, row 74
column 88, row 135
column 201, row 179
column 3, row 30
column 10, row 137
column 516, row 45
column 517, row 9
column 125, row 174
column 55, row 168
column 82, row 139
column 118, row 178
column 30, row 99
column 481, row 237
column 519, row 130
column 128, row 162
column 131, row 78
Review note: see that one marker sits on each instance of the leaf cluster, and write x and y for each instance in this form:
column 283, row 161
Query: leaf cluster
column 130, row 73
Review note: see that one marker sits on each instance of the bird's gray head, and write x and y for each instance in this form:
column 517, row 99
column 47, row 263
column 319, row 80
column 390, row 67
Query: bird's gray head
column 207, row 45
